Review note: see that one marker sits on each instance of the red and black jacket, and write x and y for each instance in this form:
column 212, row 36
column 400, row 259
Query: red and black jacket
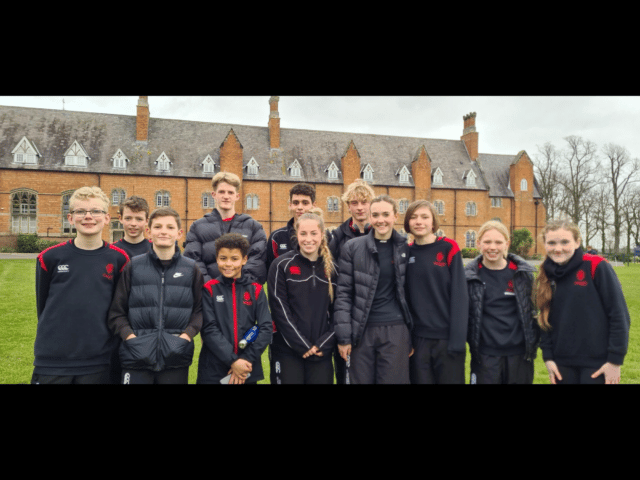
column 589, row 317
column 230, row 308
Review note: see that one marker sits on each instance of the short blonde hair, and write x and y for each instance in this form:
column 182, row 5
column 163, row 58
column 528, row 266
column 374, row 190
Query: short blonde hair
column 226, row 177
column 85, row 193
column 359, row 190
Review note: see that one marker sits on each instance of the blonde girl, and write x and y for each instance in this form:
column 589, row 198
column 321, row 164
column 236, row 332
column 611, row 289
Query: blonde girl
column 583, row 313
column 503, row 335
column 301, row 287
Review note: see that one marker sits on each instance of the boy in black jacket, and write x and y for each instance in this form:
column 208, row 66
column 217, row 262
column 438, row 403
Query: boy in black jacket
column 75, row 281
column 134, row 215
column 232, row 304
column 157, row 308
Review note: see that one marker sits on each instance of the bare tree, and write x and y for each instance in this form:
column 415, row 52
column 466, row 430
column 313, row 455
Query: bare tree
column 601, row 212
column 549, row 175
column 621, row 171
column 582, row 167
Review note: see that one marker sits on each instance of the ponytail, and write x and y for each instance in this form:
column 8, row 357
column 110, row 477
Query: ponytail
column 542, row 295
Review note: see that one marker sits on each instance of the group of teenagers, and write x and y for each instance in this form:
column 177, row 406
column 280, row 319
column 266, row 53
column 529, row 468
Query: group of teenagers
column 360, row 304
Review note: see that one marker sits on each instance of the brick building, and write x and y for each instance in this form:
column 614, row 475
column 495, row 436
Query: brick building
column 46, row 154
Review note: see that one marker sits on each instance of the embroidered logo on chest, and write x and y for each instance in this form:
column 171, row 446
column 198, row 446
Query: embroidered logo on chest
column 63, row 268
column 294, row 270
column 109, row 274
column 580, row 281
column 219, row 298
column 509, row 290
column 247, row 299
column 440, row 260
column 283, row 246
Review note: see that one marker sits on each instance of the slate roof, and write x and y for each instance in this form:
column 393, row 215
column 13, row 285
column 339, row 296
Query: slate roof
column 496, row 173
column 187, row 144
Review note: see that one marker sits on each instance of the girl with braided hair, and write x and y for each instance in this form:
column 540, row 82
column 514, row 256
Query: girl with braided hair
column 301, row 287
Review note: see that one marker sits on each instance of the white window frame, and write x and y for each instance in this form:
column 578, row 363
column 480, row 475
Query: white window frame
column 470, row 239
column 437, row 177
column 439, row 206
column 496, row 202
column 252, row 201
column 208, row 200
column 163, row 199
column 24, row 215
column 471, row 209
column 252, row 167
column 524, row 185
column 471, row 179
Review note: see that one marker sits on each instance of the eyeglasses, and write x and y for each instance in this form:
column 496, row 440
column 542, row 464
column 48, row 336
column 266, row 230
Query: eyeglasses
column 94, row 213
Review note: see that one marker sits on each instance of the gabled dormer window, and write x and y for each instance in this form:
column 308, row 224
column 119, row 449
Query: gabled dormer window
column 25, row 152
column 367, row 172
column 252, row 167
column 208, row 165
column 119, row 160
column 332, row 171
column 437, row 177
column 404, row 174
column 75, row 156
column 163, row 163
column 470, row 178
column 295, row 169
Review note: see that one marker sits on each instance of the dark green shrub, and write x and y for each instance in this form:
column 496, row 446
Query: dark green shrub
column 27, row 243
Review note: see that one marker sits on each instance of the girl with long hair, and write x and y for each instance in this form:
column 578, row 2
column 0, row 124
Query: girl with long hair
column 372, row 319
column 503, row 335
column 437, row 295
column 301, row 287
column 583, row 313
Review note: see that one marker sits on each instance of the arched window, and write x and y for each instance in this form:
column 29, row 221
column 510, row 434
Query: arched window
column 403, row 205
column 207, row 200
column 163, row 199
column 333, row 204
column 24, row 211
column 471, row 209
column 524, row 185
column 67, row 228
column 439, row 206
column 118, row 196
column 253, row 202
column 470, row 239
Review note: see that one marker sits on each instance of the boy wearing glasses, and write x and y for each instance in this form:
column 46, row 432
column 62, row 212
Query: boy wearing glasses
column 75, row 281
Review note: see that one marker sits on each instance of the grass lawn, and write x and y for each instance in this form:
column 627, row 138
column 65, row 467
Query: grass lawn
column 18, row 325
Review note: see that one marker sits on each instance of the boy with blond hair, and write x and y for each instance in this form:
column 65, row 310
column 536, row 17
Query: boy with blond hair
column 75, row 281
column 200, row 243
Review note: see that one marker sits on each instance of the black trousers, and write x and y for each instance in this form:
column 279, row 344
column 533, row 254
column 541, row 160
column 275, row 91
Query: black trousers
column 100, row 378
column 382, row 356
column 579, row 375
column 431, row 363
column 492, row 370
column 170, row 376
column 289, row 368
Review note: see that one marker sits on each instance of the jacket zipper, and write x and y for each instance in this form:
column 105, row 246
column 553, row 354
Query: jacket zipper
column 235, row 318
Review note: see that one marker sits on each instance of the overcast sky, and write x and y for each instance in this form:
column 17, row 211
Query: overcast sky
column 506, row 124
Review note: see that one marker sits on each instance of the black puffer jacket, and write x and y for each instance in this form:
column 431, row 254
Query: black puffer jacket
column 522, row 287
column 160, row 305
column 205, row 231
column 357, row 282
column 342, row 234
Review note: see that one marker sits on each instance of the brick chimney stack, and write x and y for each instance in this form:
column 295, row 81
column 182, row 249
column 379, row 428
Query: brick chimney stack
column 142, row 121
column 274, row 123
column 470, row 136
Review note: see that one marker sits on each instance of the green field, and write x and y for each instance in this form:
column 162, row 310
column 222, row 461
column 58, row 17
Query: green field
column 18, row 326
